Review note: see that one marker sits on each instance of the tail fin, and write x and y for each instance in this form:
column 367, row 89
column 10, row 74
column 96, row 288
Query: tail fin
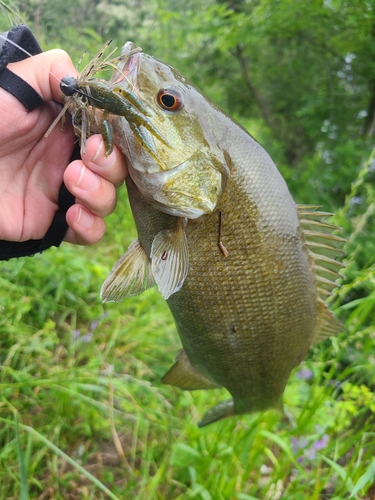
column 222, row 410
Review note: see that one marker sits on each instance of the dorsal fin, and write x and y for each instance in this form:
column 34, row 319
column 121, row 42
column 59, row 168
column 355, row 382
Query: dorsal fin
column 323, row 247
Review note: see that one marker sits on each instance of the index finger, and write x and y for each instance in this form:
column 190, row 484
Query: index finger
column 113, row 167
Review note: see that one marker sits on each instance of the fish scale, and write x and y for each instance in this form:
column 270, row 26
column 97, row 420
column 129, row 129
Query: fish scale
column 254, row 308
column 221, row 237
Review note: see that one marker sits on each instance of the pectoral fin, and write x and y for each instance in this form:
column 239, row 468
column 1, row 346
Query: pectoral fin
column 170, row 259
column 130, row 276
column 185, row 376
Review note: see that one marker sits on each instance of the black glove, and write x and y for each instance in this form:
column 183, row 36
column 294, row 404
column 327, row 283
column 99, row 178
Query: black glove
column 22, row 36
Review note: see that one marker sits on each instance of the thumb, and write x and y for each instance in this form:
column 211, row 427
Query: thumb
column 44, row 72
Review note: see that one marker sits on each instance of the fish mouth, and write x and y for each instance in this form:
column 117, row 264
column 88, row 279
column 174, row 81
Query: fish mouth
column 139, row 115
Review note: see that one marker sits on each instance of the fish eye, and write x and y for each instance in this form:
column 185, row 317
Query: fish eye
column 169, row 99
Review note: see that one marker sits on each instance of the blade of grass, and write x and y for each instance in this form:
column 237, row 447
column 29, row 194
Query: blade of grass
column 339, row 470
column 283, row 445
column 244, row 496
column 24, row 494
column 364, row 479
column 63, row 455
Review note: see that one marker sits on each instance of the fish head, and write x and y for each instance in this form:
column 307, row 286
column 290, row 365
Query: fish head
column 174, row 155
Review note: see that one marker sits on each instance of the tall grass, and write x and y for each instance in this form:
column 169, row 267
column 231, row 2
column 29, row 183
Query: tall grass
column 83, row 414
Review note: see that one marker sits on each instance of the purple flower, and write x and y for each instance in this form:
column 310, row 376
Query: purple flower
column 76, row 334
column 304, row 374
column 321, row 443
column 86, row 338
column 309, row 449
column 94, row 325
column 299, row 444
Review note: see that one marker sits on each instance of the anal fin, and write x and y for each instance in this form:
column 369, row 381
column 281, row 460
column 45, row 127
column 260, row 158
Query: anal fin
column 131, row 275
column 185, row 376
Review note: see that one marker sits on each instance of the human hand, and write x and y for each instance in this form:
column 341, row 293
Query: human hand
column 93, row 182
column 32, row 167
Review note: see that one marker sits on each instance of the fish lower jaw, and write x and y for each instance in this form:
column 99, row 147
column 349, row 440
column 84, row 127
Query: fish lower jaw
column 190, row 212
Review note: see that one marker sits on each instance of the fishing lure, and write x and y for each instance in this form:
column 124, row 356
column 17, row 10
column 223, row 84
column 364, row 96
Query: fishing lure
column 84, row 95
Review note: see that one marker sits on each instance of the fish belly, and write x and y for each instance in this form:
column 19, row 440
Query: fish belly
column 246, row 319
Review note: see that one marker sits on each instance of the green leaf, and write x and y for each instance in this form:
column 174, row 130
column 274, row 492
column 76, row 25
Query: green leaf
column 284, row 445
column 244, row 496
column 183, row 455
column 340, row 471
column 367, row 477
column 24, row 494
column 66, row 457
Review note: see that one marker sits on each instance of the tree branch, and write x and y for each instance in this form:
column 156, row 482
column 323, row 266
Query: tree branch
column 266, row 113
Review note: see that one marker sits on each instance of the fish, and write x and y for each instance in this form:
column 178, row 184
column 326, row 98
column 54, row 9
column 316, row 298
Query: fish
column 244, row 270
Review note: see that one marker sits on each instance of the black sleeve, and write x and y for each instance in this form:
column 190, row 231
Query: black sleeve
column 23, row 37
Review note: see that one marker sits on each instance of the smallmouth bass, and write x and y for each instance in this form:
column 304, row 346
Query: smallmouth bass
column 244, row 270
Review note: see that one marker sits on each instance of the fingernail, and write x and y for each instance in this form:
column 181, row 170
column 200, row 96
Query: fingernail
column 101, row 160
column 87, row 180
column 84, row 218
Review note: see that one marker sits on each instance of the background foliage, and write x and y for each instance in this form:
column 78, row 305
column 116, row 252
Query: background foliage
column 82, row 412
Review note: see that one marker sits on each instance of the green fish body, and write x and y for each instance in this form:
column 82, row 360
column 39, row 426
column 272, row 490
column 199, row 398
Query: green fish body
column 243, row 269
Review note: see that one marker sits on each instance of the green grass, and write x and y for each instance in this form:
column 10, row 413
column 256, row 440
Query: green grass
column 84, row 416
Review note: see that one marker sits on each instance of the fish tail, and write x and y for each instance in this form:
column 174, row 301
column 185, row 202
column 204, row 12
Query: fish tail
column 222, row 410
